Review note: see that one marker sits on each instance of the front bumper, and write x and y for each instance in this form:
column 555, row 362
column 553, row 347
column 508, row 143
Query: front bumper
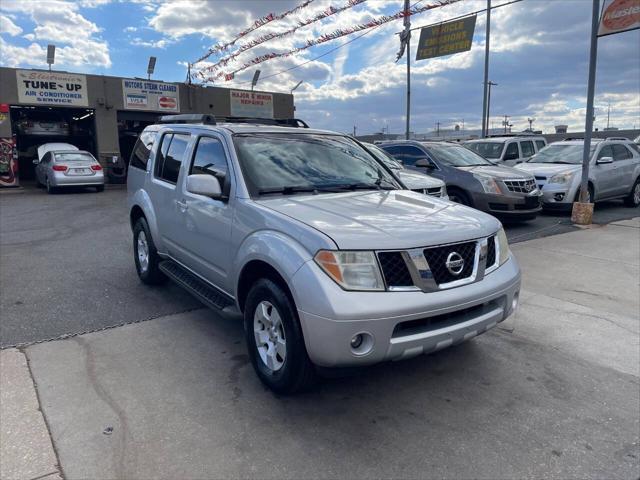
column 397, row 325
column 558, row 196
column 508, row 205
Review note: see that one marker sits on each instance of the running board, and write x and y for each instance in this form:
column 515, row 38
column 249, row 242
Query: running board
column 198, row 288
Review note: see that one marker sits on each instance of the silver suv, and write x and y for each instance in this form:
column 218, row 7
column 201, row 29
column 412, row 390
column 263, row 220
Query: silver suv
column 330, row 262
column 614, row 172
column 507, row 150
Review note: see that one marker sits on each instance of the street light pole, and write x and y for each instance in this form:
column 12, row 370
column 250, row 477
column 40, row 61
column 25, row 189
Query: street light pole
column 407, row 26
column 487, row 87
column 490, row 84
column 583, row 211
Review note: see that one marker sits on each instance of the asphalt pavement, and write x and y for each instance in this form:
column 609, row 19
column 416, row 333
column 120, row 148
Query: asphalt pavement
column 67, row 267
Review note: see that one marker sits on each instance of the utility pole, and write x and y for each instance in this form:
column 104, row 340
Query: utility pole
column 490, row 84
column 407, row 27
column 354, row 130
column 485, row 99
column 608, row 113
column 505, row 123
column 438, row 129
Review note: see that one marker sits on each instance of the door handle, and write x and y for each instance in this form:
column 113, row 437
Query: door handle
column 183, row 206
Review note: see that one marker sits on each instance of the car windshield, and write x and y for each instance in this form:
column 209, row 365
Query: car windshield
column 486, row 149
column 73, row 157
column 290, row 163
column 557, row 153
column 456, row 156
column 384, row 157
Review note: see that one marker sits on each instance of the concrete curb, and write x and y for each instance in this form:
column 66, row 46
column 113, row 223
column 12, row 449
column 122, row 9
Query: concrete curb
column 26, row 450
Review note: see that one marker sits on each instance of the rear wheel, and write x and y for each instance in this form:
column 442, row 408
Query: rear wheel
column 458, row 196
column 633, row 200
column 100, row 188
column 274, row 339
column 145, row 254
column 50, row 188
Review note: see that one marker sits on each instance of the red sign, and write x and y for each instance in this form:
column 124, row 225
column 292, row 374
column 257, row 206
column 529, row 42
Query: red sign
column 619, row 16
column 167, row 102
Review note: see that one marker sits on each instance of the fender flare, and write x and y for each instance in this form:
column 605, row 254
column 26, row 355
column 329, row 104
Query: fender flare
column 141, row 200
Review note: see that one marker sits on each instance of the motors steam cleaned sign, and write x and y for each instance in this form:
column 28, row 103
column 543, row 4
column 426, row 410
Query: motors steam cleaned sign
column 149, row 95
column 446, row 38
column 52, row 88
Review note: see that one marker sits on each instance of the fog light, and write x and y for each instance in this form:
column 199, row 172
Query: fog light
column 558, row 197
column 356, row 341
column 515, row 301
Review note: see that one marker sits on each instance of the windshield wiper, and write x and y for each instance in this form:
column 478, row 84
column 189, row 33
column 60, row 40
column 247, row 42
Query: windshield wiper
column 288, row 189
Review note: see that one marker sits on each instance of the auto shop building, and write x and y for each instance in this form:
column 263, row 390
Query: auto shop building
column 104, row 115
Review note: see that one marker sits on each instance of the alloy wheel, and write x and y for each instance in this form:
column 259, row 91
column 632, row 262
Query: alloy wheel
column 636, row 194
column 268, row 331
column 142, row 250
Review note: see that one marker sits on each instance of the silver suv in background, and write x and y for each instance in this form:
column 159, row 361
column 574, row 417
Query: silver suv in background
column 508, row 150
column 416, row 181
column 471, row 180
column 331, row 262
column 614, row 172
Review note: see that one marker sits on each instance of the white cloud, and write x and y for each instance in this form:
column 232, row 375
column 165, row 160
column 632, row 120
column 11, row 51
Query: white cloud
column 7, row 26
column 150, row 44
column 130, row 29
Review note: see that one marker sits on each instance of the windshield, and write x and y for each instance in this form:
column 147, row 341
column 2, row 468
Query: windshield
column 384, row 157
column 571, row 154
column 73, row 157
column 456, row 156
column 289, row 163
column 486, row 149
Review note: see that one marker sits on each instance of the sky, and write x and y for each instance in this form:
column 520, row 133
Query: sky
column 539, row 58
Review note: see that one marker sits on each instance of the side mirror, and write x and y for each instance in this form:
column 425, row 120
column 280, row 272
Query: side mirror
column 202, row 184
column 605, row 160
column 423, row 162
column 36, row 161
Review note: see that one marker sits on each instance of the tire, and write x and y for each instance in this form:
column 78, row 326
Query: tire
column 145, row 254
column 633, row 200
column 278, row 354
column 590, row 190
column 100, row 188
column 458, row 196
column 50, row 189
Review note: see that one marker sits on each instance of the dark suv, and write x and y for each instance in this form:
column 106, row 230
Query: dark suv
column 471, row 180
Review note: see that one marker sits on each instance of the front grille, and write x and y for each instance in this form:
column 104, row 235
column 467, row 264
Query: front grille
column 520, row 186
column 394, row 269
column 491, row 251
column 437, row 258
column 434, row 192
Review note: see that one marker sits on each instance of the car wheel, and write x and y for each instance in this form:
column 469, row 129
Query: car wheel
column 458, row 196
column 274, row 339
column 589, row 194
column 633, row 200
column 50, row 188
column 145, row 254
column 100, row 188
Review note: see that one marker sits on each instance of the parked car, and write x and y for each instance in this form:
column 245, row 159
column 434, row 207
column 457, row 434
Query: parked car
column 471, row 180
column 416, row 181
column 507, row 150
column 47, row 123
column 63, row 165
column 331, row 262
column 614, row 172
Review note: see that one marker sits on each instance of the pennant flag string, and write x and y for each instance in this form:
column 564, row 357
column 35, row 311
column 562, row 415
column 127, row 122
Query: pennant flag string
column 254, row 26
column 265, row 38
column 322, row 39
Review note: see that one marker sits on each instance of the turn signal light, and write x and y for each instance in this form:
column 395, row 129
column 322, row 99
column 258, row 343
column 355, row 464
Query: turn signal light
column 96, row 168
column 60, row 168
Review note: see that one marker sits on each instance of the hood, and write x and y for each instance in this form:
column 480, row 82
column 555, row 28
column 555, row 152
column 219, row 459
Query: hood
column 547, row 169
column 378, row 220
column 497, row 171
column 415, row 180
column 54, row 147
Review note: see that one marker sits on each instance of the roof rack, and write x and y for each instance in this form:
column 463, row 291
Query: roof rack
column 283, row 122
column 618, row 138
column 203, row 118
column 515, row 134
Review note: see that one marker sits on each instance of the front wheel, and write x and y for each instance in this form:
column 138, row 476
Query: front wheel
column 633, row 200
column 274, row 339
column 458, row 196
column 145, row 254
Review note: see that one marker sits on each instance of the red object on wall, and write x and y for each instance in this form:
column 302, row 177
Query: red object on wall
column 4, row 108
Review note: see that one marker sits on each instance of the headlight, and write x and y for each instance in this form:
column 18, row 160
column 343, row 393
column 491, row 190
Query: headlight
column 352, row 270
column 564, row 177
column 488, row 183
column 503, row 246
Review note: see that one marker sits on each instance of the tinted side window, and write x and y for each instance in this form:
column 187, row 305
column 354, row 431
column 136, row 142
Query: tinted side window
column 408, row 154
column 606, row 151
column 540, row 144
column 162, row 153
column 209, row 158
column 620, row 152
column 172, row 154
column 512, row 151
column 527, row 148
column 142, row 150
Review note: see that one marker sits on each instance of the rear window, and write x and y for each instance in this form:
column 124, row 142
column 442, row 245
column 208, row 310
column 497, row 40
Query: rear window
column 142, row 150
column 73, row 157
column 486, row 149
